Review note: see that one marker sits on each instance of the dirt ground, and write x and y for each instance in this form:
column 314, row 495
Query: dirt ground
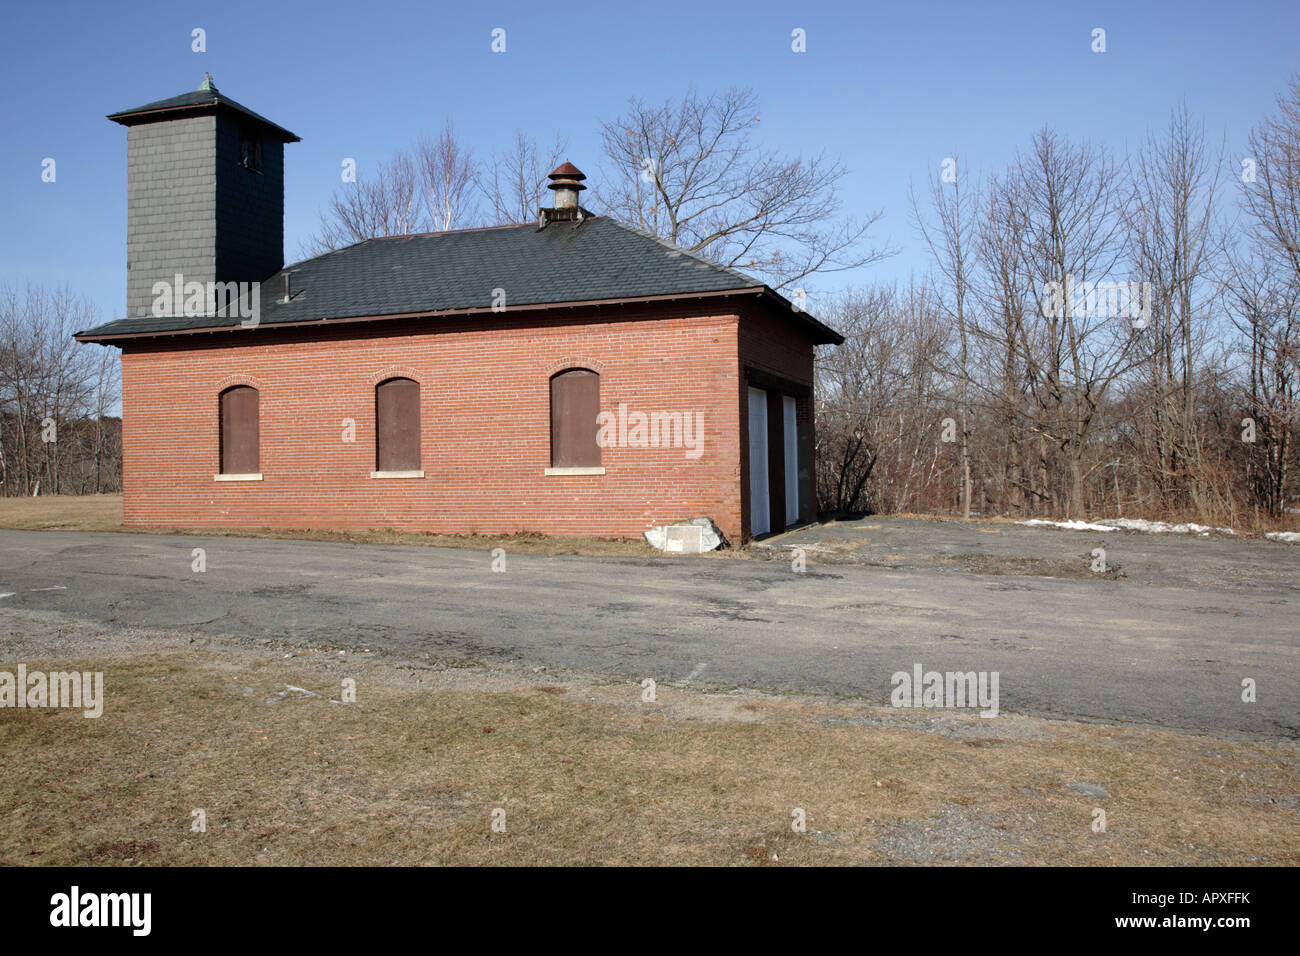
column 421, row 765
column 1004, row 547
column 905, row 542
column 104, row 513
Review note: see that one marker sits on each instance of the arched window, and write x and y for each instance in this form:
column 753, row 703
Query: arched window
column 239, row 431
column 575, row 403
column 397, row 425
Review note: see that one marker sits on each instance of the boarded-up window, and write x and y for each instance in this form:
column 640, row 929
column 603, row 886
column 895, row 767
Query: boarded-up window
column 397, row 425
column 575, row 403
column 239, row 431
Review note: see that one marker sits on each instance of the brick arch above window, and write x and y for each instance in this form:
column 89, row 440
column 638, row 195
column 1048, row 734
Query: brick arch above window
column 396, row 371
column 573, row 361
column 239, row 378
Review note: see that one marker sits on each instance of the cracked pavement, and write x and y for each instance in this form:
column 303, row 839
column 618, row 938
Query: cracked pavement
column 1167, row 644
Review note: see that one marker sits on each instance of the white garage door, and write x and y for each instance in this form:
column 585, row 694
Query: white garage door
column 759, row 508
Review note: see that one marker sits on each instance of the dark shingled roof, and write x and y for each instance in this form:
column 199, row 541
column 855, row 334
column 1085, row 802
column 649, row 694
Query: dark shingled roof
column 595, row 260
column 199, row 101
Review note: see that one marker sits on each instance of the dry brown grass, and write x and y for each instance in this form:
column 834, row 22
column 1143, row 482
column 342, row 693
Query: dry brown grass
column 590, row 775
column 62, row 513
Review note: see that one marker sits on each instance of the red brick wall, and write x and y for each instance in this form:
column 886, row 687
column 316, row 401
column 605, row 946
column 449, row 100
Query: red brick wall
column 485, row 424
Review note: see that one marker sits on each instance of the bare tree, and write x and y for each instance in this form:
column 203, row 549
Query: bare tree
column 690, row 172
column 1172, row 241
column 514, row 183
column 447, row 176
column 1265, row 283
column 880, row 403
column 1109, row 344
column 854, row 381
column 425, row 189
column 53, row 390
column 1267, row 312
column 100, row 461
column 1074, row 210
column 386, row 203
column 1272, row 196
column 950, row 236
column 1007, row 296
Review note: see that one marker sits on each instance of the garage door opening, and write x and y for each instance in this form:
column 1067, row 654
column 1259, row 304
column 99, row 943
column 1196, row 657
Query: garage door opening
column 759, row 502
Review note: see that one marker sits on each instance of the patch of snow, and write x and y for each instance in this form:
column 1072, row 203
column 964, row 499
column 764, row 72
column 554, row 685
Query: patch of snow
column 1131, row 524
column 1068, row 525
column 1290, row 537
column 1164, row 527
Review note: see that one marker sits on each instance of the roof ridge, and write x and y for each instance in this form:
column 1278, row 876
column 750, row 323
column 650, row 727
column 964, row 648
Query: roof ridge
column 454, row 232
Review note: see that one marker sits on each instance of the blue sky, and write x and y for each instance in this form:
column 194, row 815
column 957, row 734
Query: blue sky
column 889, row 88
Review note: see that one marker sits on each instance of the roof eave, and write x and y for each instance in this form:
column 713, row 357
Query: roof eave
column 821, row 334
column 88, row 336
column 136, row 117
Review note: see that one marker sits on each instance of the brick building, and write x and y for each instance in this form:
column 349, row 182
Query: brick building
column 572, row 376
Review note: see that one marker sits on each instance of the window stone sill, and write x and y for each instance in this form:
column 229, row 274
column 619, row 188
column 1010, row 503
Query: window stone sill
column 574, row 471
column 397, row 474
column 238, row 477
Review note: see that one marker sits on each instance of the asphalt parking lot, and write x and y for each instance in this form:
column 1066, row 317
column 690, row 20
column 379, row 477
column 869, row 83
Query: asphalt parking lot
column 1166, row 640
